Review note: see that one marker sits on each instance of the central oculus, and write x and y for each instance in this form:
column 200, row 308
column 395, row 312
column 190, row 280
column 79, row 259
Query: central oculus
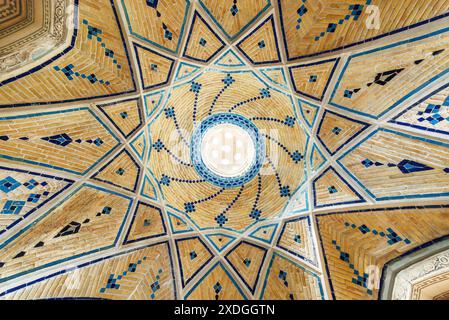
column 227, row 150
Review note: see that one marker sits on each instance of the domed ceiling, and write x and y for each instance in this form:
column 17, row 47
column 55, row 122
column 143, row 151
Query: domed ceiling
column 175, row 149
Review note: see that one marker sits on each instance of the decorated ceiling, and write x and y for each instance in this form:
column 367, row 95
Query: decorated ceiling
column 117, row 119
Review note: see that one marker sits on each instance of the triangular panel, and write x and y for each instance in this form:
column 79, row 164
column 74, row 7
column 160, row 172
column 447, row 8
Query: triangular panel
column 155, row 69
column 298, row 204
column 335, row 131
column 153, row 101
column 148, row 189
column 139, row 145
column 261, row 46
column 309, row 112
column 330, row 189
column 220, row 241
column 276, row 76
column 122, row 171
column 193, row 256
column 229, row 59
column 265, row 233
column 203, row 43
column 296, row 238
column 247, row 260
column 177, row 224
column 216, row 284
column 185, row 70
column 312, row 80
column 147, row 222
column 317, row 159
column 125, row 115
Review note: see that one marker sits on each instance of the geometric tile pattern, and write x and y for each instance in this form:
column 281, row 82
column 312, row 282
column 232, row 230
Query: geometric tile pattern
column 316, row 159
column 155, row 69
column 229, row 59
column 211, row 205
column 146, row 223
column 157, row 22
column 247, row 260
column 299, row 204
column 185, row 70
column 142, row 274
column 372, row 85
column 276, row 76
column 122, row 171
column 177, row 224
column 140, row 145
column 296, row 238
column 312, row 80
column 237, row 16
column 265, row 233
column 220, row 241
column 287, row 280
column 95, row 64
column 51, row 139
column 102, row 195
column 357, row 244
column 91, row 216
column 335, row 131
column 217, row 284
column 309, row 112
column 125, row 115
column 392, row 165
column 261, row 45
column 23, row 192
column 330, row 189
column 430, row 114
column 202, row 43
column 148, row 189
column 193, row 256
column 312, row 27
column 152, row 101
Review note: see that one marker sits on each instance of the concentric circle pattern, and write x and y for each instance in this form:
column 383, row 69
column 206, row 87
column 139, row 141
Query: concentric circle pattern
column 221, row 150
column 223, row 174
column 243, row 99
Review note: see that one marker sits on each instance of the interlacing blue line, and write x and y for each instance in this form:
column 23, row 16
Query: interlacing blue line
column 259, row 190
column 195, row 88
column 187, row 180
column 255, row 213
column 283, row 190
column 216, row 194
column 228, row 80
column 177, row 158
column 264, row 93
column 190, row 206
column 275, row 171
column 231, row 204
column 178, row 129
column 287, row 122
column 166, row 180
column 296, row 156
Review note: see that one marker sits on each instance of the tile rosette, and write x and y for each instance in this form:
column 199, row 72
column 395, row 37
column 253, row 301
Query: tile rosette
column 237, row 98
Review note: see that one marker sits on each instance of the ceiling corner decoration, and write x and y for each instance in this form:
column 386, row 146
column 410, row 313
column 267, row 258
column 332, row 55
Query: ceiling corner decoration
column 224, row 150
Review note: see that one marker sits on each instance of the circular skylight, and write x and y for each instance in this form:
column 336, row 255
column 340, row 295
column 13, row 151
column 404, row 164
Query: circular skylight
column 227, row 150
